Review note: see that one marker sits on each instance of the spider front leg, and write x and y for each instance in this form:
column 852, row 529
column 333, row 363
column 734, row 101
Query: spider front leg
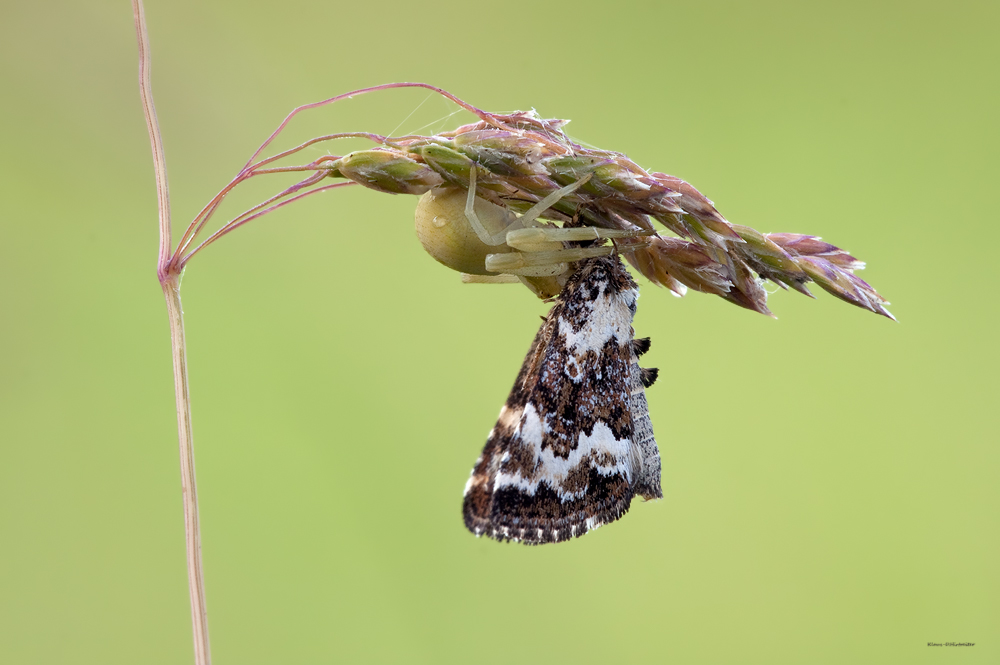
column 506, row 220
column 489, row 244
column 541, row 251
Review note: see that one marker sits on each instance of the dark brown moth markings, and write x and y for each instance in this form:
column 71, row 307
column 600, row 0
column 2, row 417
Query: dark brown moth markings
column 573, row 444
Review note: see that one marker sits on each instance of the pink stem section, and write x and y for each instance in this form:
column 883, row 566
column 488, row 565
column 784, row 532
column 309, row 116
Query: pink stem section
column 153, row 127
column 247, row 216
column 170, row 281
column 250, row 169
column 483, row 115
column 189, row 486
column 198, row 223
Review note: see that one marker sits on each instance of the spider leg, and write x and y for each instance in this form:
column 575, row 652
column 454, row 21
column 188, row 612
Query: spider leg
column 539, row 251
column 492, row 239
column 488, row 279
column 508, row 220
column 542, row 263
column 534, row 211
column 539, row 238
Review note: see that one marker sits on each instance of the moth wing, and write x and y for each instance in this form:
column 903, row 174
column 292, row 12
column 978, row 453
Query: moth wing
column 560, row 460
column 646, row 470
column 478, row 499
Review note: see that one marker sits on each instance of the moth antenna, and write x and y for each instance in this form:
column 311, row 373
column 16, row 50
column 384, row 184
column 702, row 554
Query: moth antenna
column 648, row 375
column 640, row 346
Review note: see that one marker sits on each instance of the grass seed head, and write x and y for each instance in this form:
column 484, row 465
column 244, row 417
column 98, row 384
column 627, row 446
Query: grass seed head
column 521, row 158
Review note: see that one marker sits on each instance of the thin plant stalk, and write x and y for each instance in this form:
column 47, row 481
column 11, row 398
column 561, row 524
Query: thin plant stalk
column 169, row 277
column 189, row 487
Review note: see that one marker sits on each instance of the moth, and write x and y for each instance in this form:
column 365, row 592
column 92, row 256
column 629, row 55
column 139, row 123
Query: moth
column 574, row 443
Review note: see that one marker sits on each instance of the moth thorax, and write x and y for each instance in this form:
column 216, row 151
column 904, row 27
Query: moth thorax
column 445, row 232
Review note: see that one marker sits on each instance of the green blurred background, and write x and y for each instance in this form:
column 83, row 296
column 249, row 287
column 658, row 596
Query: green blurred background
column 830, row 478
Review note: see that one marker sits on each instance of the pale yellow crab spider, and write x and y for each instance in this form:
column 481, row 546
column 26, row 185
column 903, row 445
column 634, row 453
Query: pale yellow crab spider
column 490, row 244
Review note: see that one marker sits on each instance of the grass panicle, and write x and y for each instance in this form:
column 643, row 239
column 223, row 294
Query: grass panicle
column 521, row 158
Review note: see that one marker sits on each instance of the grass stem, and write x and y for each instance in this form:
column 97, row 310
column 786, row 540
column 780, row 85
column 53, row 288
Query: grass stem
column 169, row 275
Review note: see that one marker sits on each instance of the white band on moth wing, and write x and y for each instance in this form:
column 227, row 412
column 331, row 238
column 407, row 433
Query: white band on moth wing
column 553, row 469
column 609, row 317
